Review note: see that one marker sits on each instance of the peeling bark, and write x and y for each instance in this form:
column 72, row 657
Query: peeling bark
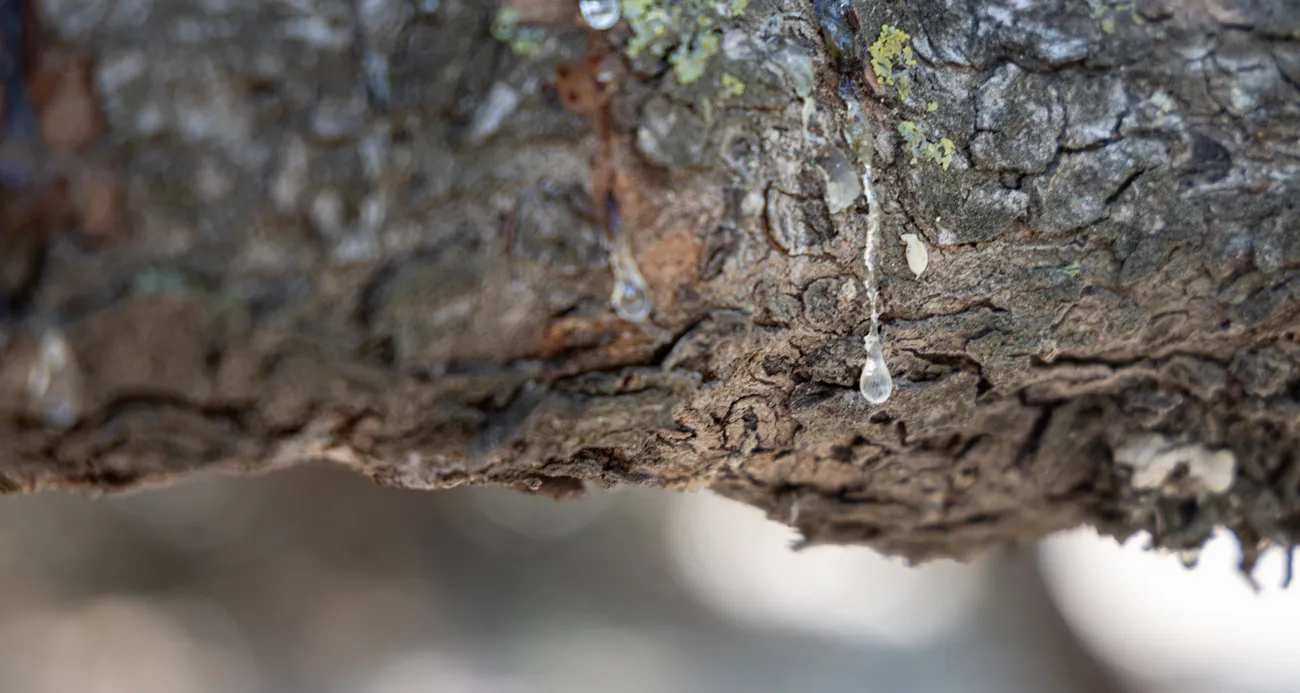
column 367, row 234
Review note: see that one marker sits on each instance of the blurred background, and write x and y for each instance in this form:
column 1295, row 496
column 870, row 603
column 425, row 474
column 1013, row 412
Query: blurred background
column 317, row 581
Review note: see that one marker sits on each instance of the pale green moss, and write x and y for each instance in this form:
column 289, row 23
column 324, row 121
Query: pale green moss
column 922, row 147
column 890, row 59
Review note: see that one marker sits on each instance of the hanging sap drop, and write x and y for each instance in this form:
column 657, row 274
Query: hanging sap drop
column 875, row 384
column 798, row 69
column 842, row 184
column 54, row 383
column 600, row 14
column 631, row 297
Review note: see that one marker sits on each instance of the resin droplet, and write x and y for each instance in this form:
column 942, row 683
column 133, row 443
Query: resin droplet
column 798, row 70
column 600, row 14
column 875, row 384
column 54, row 389
column 842, row 184
column 500, row 103
column 631, row 298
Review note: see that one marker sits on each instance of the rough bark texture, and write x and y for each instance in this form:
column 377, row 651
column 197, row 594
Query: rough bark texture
column 273, row 254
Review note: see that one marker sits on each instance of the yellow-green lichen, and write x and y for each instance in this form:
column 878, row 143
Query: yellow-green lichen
column 1106, row 10
column 891, row 58
column 686, row 33
column 922, row 147
column 524, row 41
column 504, row 24
column 732, row 86
column 690, row 61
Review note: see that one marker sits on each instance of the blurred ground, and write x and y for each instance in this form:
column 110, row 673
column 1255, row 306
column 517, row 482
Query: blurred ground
column 317, row 581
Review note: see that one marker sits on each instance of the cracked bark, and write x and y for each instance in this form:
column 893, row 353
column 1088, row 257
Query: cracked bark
column 407, row 277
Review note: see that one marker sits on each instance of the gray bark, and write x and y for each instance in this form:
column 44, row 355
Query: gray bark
column 408, row 275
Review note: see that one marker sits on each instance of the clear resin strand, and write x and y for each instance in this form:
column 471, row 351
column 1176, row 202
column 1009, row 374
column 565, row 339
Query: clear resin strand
column 869, row 252
column 875, row 384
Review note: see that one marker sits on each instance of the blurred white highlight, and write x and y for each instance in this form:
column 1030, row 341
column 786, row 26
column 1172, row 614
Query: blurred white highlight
column 433, row 671
column 740, row 563
column 124, row 645
column 1173, row 629
column 531, row 517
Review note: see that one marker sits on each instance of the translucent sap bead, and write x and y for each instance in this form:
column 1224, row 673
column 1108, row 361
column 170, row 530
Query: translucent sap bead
column 798, row 69
column 631, row 297
column 875, row 384
column 54, row 387
column 600, row 14
column 842, row 184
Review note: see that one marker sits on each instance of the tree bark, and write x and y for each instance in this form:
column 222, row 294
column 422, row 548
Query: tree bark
column 248, row 235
